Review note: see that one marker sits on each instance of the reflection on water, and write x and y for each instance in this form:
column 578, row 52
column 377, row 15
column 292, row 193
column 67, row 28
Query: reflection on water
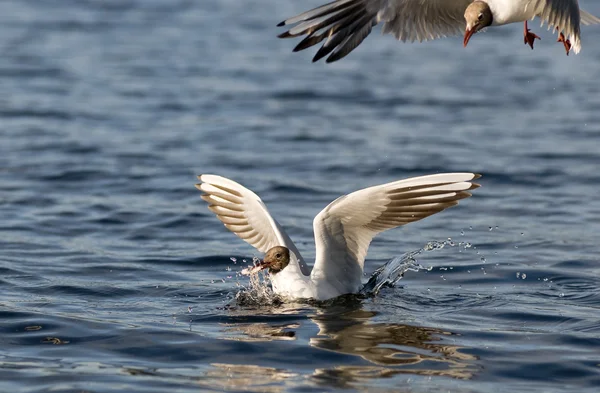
column 408, row 349
column 387, row 349
column 260, row 332
column 246, row 378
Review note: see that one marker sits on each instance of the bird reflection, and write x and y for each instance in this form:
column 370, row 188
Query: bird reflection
column 389, row 349
column 384, row 343
column 236, row 377
column 261, row 332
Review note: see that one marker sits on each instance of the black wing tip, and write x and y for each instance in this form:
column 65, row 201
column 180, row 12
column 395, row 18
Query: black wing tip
column 282, row 23
column 333, row 58
column 285, row 34
column 321, row 53
column 305, row 44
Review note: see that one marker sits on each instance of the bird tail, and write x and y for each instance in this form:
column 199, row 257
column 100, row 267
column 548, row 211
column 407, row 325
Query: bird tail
column 344, row 23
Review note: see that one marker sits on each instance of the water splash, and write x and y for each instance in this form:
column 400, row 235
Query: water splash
column 258, row 291
column 393, row 271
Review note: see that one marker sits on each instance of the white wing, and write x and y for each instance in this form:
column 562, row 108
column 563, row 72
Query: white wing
column 245, row 214
column 345, row 228
column 565, row 16
column 346, row 23
column 588, row 19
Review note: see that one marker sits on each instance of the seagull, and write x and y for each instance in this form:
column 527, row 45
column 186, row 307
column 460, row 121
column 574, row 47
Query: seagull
column 343, row 230
column 344, row 24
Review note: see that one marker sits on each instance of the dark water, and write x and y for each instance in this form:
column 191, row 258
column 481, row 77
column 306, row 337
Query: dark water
column 115, row 277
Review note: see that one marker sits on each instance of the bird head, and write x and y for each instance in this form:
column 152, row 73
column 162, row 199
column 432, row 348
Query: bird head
column 276, row 259
column 478, row 15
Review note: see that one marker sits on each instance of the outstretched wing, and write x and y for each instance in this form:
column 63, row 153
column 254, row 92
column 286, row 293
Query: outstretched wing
column 245, row 214
column 345, row 228
column 565, row 16
column 344, row 24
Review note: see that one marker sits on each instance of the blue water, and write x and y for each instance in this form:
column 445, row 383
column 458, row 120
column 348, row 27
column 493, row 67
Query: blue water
column 115, row 277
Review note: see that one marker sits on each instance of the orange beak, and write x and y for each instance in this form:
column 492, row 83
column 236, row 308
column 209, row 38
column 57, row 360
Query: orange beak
column 468, row 35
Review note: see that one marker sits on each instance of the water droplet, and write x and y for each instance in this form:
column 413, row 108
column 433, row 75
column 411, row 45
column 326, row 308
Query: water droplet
column 471, row 227
column 483, row 259
column 561, row 295
column 490, row 228
column 522, row 233
column 233, row 259
column 518, row 274
column 462, row 233
column 523, row 276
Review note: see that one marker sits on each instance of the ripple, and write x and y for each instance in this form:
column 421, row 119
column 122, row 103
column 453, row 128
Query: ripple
column 115, row 276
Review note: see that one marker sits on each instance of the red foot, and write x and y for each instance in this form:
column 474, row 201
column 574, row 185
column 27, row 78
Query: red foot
column 566, row 43
column 529, row 37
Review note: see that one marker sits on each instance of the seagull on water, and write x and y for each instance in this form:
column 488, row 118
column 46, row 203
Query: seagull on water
column 344, row 24
column 343, row 230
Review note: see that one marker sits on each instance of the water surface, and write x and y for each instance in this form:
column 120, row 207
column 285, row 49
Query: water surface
column 115, row 277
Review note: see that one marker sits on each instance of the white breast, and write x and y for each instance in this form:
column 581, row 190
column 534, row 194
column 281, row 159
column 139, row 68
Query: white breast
column 511, row 11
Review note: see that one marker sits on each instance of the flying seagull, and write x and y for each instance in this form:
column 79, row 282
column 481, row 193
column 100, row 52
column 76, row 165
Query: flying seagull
column 344, row 24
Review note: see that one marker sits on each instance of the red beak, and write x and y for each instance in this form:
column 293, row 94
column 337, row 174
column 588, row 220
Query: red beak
column 261, row 265
column 468, row 35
